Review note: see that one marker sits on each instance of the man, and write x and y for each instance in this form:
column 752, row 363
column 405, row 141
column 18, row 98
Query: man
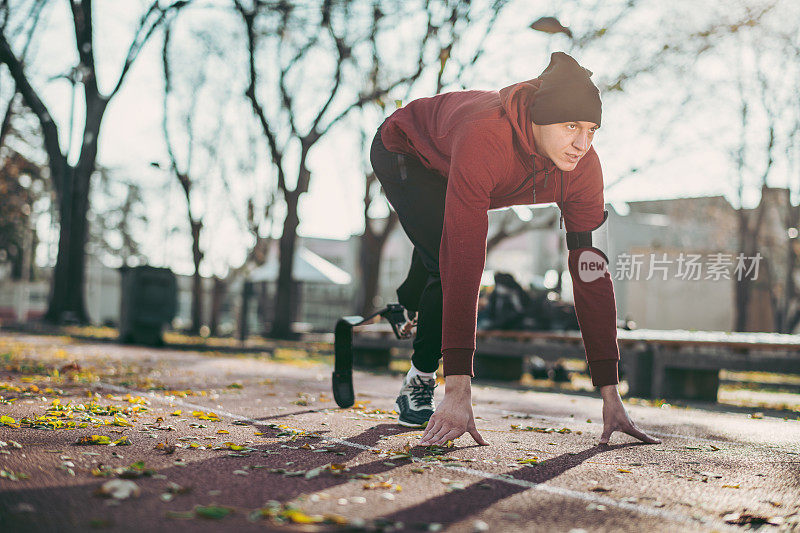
column 444, row 162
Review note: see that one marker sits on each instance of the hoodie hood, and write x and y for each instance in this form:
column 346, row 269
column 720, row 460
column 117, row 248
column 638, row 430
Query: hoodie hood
column 516, row 100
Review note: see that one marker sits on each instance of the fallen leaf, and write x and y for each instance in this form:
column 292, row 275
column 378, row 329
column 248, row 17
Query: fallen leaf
column 90, row 440
column 751, row 519
column 8, row 421
column 299, row 517
column 166, row 447
column 213, row 512
column 314, row 472
column 119, row 489
column 12, row 476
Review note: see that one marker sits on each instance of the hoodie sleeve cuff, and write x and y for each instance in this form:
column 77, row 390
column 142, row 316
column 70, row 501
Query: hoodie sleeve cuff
column 458, row 362
column 604, row 372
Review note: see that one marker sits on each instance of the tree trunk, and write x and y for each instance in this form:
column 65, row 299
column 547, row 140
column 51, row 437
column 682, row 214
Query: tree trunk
column 244, row 311
column 217, row 297
column 197, row 281
column 67, row 303
column 282, row 321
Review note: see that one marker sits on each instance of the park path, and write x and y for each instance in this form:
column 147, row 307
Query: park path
column 254, row 442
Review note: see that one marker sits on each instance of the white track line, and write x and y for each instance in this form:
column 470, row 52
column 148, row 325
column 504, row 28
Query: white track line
column 566, row 493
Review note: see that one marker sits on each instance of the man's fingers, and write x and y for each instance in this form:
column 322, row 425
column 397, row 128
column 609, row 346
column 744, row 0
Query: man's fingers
column 444, row 430
column 430, row 430
column 434, row 434
column 453, row 434
column 477, row 436
column 633, row 431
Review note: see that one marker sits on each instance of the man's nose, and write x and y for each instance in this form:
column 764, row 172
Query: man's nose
column 582, row 142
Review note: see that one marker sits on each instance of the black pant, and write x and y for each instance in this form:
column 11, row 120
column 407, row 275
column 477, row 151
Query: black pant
column 417, row 194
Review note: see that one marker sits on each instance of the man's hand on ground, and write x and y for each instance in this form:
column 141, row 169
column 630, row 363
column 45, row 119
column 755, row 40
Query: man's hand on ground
column 615, row 418
column 454, row 415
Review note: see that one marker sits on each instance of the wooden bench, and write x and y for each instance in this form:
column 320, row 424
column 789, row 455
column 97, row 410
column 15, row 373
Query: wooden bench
column 685, row 364
column 668, row 364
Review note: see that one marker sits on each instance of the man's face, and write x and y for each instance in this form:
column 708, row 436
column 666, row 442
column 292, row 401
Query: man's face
column 564, row 143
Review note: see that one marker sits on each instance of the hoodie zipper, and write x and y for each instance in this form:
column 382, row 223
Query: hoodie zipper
column 525, row 182
column 561, row 219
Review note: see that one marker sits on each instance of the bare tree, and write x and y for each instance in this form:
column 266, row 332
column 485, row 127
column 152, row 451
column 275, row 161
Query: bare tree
column 188, row 174
column 72, row 182
column 767, row 100
column 332, row 32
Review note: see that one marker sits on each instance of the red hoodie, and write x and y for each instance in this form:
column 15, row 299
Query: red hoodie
column 482, row 143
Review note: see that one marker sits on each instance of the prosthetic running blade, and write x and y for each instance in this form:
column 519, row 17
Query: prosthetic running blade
column 342, row 378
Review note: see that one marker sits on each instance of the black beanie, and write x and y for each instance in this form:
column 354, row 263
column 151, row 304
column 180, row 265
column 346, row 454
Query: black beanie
column 567, row 93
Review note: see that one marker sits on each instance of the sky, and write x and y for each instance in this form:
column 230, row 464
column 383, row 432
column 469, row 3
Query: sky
column 682, row 151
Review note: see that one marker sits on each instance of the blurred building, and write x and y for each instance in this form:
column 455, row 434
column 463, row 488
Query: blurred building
column 658, row 233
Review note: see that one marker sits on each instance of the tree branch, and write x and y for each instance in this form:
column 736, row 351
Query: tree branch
column 248, row 16
column 82, row 22
column 34, row 102
column 146, row 28
column 343, row 52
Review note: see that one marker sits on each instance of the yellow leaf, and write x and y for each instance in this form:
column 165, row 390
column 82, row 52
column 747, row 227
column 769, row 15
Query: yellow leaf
column 624, row 471
column 299, row 517
column 119, row 421
column 176, row 413
column 223, row 431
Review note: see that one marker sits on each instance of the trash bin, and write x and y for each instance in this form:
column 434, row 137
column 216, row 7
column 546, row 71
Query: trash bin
column 149, row 300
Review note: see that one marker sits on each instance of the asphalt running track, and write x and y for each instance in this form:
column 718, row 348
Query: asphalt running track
column 712, row 465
